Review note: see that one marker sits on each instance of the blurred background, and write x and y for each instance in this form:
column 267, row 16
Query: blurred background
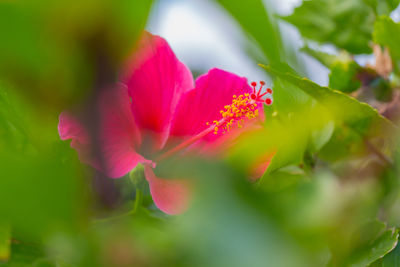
column 330, row 196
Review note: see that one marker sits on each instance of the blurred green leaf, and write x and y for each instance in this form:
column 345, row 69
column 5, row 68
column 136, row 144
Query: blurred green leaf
column 291, row 108
column 5, row 241
column 282, row 179
column 382, row 89
column 324, row 58
column 383, row 7
column 321, row 135
column 290, row 148
column 43, row 191
column 344, row 69
column 255, row 20
column 25, row 255
column 239, row 230
column 387, row 33
column 348, row 24
column 286, row 136
column 344, row 144
column 52, row 50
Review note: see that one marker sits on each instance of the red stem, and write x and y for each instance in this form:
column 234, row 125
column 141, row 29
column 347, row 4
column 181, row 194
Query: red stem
column 189, row 141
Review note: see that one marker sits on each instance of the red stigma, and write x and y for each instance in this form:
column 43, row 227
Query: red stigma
column 257, row 95
column 254, row 84
column 261, row 86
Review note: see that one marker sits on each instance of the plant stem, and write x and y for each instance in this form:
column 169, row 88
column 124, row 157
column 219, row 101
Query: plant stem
column 138, row 200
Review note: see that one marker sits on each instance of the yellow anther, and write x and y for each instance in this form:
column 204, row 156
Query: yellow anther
column 241, row 107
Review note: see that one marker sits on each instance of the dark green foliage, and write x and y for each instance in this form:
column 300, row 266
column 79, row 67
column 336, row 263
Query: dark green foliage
column 343, row 76
column 347, row 24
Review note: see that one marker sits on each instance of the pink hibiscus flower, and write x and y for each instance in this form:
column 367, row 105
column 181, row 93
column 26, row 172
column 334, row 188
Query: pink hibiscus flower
column 156, row 111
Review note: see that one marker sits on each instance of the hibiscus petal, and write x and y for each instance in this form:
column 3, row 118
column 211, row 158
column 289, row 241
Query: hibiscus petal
column 118, row 135
column 156, row 80
column 172, row 196
column 203, row 104
column 70, row 128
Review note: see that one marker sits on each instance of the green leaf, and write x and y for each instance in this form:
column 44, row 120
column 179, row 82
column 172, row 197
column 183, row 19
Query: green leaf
column 282, row 179
column 387, row 33
column 384, row 244
column 344, row 143
column 392, row 259
column 343, row 76
column 250, row 17
column 343, row 69
column 324, row 58
column 289, row 149
column 359, row 116
column 321, row 135
column 369, row 242
column 288, row 98
column 347, row 24
column 287, row 135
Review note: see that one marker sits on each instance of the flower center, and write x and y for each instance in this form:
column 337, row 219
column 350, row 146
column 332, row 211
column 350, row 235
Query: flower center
column 243, row 107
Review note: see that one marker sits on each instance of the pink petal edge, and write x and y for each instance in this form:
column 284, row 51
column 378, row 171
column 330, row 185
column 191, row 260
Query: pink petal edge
column 118, row 136
column 172, row 196
column 70, row 128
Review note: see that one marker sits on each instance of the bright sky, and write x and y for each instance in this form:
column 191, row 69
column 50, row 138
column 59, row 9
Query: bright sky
column 203, row 37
